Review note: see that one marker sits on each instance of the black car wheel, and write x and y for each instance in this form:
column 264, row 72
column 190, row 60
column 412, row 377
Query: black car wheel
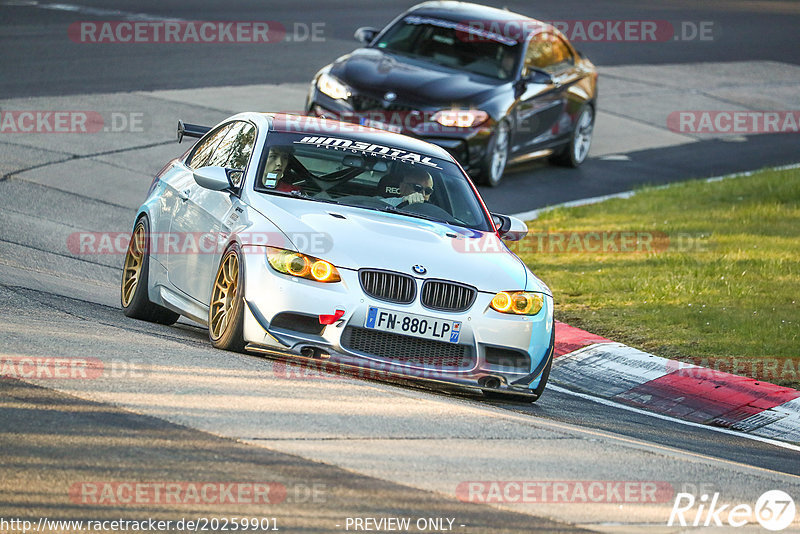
column 494, row 162
column 575, row 152
column 135, row 272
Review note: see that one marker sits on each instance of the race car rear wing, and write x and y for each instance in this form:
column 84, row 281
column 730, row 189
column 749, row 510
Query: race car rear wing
column 191, row 130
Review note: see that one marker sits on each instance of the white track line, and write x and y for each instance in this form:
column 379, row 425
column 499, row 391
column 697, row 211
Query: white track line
column 721, row 430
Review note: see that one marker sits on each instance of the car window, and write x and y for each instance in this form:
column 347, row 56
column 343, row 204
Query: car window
column 453, row 44
column 242, row 147
column 370, row 176
column 548, row 52
column 205, row 147
column 233, row 151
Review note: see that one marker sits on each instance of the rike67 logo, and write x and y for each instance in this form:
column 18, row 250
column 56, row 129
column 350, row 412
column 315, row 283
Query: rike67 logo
column 774, row 510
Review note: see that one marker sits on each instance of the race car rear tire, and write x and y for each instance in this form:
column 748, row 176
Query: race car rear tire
column 135, row 274
column 226, row 309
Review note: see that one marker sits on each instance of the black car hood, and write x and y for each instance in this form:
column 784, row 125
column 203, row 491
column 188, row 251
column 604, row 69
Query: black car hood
column 377, row 72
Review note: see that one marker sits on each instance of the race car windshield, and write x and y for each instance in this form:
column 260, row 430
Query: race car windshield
column 451, row 44
column 370, row 176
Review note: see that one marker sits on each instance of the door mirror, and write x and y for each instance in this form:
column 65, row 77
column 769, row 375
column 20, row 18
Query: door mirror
column 366, row 34
column 214, row 178
column 509, row 228
column 538, row 76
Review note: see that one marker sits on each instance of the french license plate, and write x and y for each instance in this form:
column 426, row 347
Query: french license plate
column 380, row 125
column 413, row 325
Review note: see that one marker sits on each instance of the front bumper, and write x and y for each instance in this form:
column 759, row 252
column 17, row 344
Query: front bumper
column 495, row 351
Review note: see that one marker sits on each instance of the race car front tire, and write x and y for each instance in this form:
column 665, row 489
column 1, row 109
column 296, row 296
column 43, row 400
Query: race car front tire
column 226, row 309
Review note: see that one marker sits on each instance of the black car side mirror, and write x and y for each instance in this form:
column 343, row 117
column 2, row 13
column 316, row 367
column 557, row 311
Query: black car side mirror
column 365, row 34
column 538, row 76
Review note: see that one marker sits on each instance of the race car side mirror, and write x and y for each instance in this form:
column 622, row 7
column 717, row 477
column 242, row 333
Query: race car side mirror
column 214, row 178
column 509, row 228
column 366, row 34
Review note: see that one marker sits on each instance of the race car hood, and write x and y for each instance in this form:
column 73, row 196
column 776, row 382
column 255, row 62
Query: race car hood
column 355, row 238
column 377, row 72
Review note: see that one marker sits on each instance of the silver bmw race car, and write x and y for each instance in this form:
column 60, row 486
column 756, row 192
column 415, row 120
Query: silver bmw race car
column 330, row 242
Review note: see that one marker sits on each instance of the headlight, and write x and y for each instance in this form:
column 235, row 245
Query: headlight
column 518, row 302
column 302, row 266
column 332, row 87
column 460, row 118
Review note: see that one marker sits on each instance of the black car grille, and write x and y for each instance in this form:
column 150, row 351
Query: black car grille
column 388, row 286
column 368, row 103
column 447, row 296
column 406, row 349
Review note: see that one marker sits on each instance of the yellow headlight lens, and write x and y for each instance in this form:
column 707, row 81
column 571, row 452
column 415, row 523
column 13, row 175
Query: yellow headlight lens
column 518, row 302
column 301, row 265
column 502, row 302
column 322, row 271
column 297, row 265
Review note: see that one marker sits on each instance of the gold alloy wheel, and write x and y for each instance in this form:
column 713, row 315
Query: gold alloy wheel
column 223, row 298
column 134, row 260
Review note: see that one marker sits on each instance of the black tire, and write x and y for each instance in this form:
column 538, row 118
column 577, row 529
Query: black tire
column 135, row 274
column 494, row 162
column 226, row 310
column 575, row 152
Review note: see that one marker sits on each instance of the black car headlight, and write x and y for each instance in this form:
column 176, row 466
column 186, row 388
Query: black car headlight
column 460, row 118
column 332, row 87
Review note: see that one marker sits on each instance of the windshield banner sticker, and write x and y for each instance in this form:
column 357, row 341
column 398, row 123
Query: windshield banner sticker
column 369, row 149
column 461, row 27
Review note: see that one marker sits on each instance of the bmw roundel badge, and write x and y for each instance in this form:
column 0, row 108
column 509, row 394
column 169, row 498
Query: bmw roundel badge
column 419, row 269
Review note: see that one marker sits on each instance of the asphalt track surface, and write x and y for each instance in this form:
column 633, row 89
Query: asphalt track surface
column 54, row 303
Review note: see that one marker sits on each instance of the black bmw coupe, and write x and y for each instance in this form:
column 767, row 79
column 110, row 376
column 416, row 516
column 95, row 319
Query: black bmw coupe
column 490, row 86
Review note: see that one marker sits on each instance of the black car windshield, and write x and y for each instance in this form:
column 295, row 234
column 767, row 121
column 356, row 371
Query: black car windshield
column 453, row 44
column 370, row 176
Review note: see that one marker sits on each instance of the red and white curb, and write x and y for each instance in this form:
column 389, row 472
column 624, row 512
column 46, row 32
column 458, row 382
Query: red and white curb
column 597, row 366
